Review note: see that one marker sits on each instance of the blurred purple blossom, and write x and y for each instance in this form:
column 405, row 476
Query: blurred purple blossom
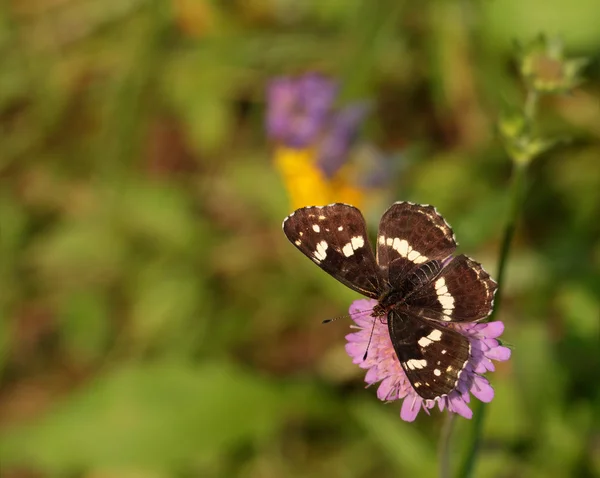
column 383, row 366
column 298, row 108
column 337, row 140
column 300, row 114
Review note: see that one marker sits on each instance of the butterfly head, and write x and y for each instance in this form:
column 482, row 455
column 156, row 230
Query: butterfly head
column 390, row 299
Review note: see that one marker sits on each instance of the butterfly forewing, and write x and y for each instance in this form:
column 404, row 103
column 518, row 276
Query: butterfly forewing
column 335, row 238
column 410, row 235
column 431, row 355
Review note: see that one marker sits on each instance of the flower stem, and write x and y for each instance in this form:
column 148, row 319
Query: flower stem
column 444, row 448
column 518, row 188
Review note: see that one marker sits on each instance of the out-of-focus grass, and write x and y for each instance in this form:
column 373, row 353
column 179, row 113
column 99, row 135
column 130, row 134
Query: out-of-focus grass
column 154, row 320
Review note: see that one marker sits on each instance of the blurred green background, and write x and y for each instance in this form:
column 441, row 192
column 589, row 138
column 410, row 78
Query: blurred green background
column 154, row 320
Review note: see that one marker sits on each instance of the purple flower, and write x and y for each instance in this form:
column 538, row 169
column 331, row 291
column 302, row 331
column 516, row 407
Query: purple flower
column 300, row 114
column 383, row 366
column 343, row 128
column 299, row 108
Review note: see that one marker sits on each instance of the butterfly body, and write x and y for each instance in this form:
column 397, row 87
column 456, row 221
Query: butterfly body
column 389, row 300
column 419, row 287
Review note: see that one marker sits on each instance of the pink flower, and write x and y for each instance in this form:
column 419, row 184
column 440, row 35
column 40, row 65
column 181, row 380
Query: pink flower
column 383, row 366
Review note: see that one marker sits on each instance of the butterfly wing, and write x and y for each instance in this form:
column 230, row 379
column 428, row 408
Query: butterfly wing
column 462, row 292
column 335, row 238
column 431, row 355
column 411, row 235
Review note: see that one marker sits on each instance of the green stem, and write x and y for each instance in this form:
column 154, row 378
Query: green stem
column 444, row 449
column 517, row 198
column 518, row 189
column 517, row 195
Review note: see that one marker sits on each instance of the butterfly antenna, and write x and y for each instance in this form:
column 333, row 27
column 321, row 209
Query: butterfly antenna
column 328, row 321
column 370, row 338
column 347, row 316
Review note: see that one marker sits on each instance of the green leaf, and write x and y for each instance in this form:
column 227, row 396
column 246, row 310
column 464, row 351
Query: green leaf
column 156, row 416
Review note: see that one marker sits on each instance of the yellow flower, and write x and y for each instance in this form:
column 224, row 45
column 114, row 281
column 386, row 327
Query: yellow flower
column 307, row 185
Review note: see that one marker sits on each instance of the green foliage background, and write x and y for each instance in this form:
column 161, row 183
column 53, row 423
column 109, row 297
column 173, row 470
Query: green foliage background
column 154, row 320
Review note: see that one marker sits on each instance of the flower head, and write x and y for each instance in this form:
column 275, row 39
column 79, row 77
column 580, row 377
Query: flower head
column 383, row 366
column 299, row 108
column 546, row 69
column 301, row 115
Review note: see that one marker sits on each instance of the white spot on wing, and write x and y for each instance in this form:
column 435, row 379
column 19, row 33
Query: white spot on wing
column 341, row 228
column 413, row 364
column 316, row 228
column 444, row 297
column 425, row 341
column 435, row 335
column 402, row 247
column 381, row 240
column 321, row 253
column 357, row 242
column 347, row 250
column 298, row 242
column 413, row 255
column 437, row 372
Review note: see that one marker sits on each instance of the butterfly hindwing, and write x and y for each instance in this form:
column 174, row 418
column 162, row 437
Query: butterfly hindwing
column 431, row 355
column 462, row 292
column 335, row 238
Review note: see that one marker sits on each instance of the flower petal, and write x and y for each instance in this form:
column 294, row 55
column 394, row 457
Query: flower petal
column 359, row 308
column 499, row 353
column 482, row 389
column 492, row 330
column 371, row 376
column 457, row 405
column 386, row 390
column 410, row 407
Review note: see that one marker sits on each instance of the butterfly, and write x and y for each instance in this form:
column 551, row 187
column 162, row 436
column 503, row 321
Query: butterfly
column 420, row 287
